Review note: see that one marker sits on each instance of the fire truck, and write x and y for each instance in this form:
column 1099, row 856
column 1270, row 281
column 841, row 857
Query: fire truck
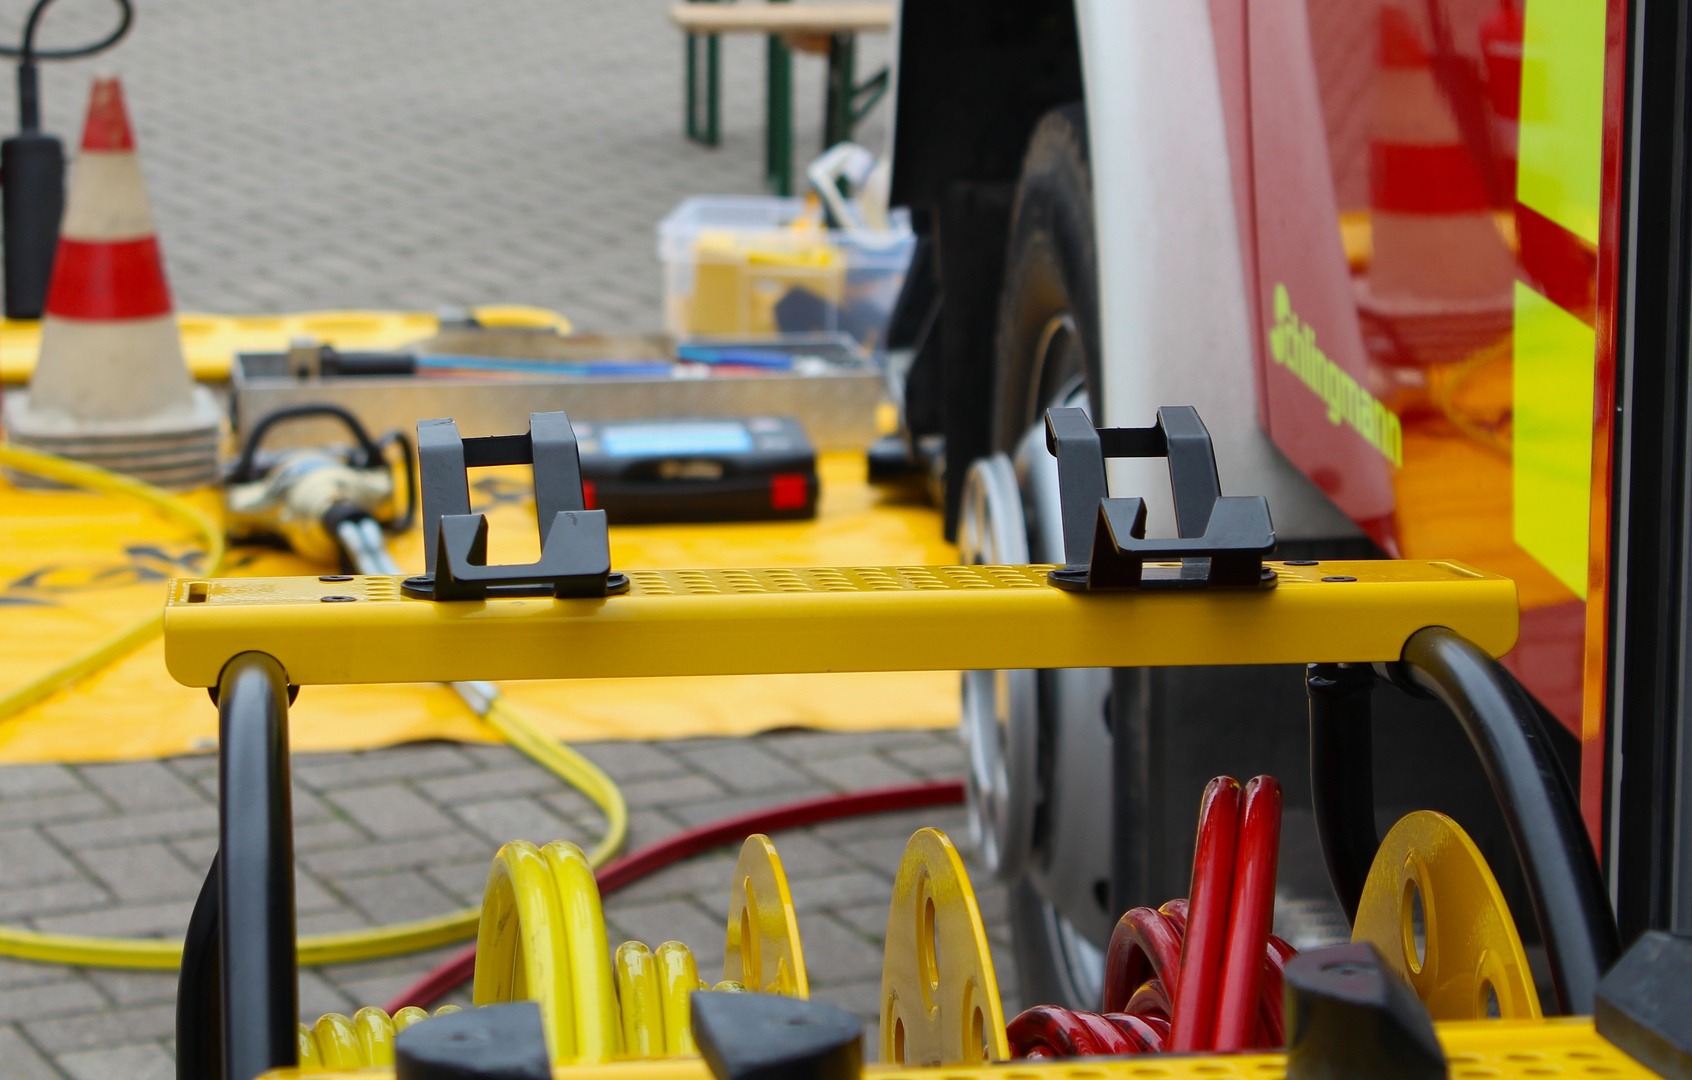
column 1421, row 267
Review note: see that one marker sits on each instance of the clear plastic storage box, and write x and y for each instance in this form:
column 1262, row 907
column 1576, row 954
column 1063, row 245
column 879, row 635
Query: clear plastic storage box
column 753, row 264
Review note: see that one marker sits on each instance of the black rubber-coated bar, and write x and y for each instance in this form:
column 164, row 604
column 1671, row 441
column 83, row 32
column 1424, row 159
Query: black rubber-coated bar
column 199, row 1024
column 1564, row 881
column 1342, row 781
column 260, row 983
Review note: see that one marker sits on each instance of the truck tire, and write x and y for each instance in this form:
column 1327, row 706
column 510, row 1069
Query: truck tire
column 1048, row 333
column 1046, row 354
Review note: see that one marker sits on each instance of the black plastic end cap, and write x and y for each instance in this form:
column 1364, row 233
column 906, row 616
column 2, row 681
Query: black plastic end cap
column 1350, row 1017
column 495, row 1042
column 1644, row 1004
column 774, row 1037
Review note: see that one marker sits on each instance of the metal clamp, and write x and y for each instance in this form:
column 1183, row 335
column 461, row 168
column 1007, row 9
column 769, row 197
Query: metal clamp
column 575, row 556
column 1220, row 541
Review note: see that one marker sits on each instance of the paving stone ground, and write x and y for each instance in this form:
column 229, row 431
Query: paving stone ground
column 420, row 153
column 402, row 833
column 415, row 154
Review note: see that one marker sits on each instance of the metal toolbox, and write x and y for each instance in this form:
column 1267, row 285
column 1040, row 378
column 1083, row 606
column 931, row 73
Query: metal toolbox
column 833, row 389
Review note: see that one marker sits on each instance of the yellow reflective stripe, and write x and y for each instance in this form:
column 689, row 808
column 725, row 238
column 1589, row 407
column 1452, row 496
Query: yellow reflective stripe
column 1560, row 152
column 1552, row 436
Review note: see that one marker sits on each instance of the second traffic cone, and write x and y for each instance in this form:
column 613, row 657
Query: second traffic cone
column 1440, row 274
column 111, row 386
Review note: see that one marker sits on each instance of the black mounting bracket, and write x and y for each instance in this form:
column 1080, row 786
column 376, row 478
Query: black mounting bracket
column 575, row 556
column 1220, row 541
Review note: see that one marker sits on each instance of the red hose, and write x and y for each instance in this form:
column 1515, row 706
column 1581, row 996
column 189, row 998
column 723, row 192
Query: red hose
column 636, row 865
column 1249, row 920
column 1230, row 987
column 1193, row 1025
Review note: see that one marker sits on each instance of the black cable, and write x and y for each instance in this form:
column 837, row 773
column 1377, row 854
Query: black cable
column 246, row 468
column 27, row 55
column 408, row 454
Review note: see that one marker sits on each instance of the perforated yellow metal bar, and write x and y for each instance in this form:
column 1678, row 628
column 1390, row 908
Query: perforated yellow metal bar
column 763, row 621
column 1561, row 1049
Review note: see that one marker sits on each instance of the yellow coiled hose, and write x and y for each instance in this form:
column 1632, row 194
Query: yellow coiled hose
column 542, row 938
column 316, row 949
column 336, row 1042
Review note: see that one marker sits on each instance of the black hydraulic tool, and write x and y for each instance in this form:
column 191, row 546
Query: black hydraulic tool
column 1220, row 541
column 324, row 502
column 32, row 170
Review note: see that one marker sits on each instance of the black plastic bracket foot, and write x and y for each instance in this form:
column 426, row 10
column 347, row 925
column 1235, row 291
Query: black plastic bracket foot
column 1350, row 1016
column 773, row 1037
column 494, row 1042
column 1644, row 1004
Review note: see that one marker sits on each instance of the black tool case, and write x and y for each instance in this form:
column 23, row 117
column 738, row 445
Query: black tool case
column 760, row 468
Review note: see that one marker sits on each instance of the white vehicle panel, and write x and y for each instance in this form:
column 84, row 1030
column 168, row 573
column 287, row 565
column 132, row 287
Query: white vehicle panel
column 1174, row 318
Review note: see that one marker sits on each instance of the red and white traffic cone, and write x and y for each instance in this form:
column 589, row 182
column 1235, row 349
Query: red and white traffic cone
column 1439, row 280
column 111, row 386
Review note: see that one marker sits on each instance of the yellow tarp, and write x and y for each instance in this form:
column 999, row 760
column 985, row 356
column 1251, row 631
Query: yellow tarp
column 77, row 568
column 210, row 342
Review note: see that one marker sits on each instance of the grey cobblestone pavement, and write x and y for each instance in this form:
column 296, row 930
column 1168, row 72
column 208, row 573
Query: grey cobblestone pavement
column 419, row 153
column 413, row 154
column 389, row 835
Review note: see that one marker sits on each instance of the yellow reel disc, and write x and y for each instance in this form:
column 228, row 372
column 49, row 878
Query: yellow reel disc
column 542, row 938
column 1469, row 951
column 939, row 996
column 763, row 951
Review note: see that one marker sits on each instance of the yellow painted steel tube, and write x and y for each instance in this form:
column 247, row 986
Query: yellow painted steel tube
column 787, row 620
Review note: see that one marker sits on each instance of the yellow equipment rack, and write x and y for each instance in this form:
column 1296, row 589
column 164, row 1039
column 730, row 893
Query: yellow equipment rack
column 1434, row 627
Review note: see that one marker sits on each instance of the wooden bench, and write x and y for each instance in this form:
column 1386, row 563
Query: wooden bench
column 829, row 28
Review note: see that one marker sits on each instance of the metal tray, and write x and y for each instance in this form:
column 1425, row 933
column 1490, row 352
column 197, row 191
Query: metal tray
column 835, row 398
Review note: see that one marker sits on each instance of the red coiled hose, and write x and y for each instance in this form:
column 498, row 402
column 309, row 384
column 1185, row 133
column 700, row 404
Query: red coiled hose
column 1201, row 973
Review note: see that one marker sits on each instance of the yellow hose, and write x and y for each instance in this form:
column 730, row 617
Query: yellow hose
column 315, row 949
column 76, row 474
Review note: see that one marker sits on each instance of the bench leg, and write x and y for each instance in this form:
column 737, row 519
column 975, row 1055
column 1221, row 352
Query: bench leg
column 704, row 89
column 778, row 118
